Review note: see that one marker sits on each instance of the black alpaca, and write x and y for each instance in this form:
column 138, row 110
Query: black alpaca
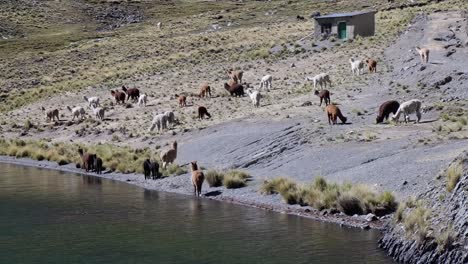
column 147, row 169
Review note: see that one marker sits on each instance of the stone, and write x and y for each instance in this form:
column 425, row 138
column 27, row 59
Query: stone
column 370, row 217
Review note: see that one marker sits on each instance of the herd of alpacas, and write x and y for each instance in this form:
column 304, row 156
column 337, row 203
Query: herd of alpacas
column 91, row 162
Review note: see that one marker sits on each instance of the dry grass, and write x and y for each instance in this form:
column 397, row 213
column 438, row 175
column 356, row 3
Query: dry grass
column 416, row 222
column 234, row 179
column 214, row 178
column 453, row 175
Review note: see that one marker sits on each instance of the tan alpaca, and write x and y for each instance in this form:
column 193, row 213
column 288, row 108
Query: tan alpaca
column 236, row 76
column 424, row 54
column 205, row 90
column 51, row 114
column 197, row 178
column 169, row 155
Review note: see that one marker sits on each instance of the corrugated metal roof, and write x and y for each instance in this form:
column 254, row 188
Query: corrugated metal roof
column 349, row 14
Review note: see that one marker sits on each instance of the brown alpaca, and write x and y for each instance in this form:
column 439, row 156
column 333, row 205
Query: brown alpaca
column 387, row 108
column 51, row 114
column 197, row 178
column 235, row 90
column 182, row 100
column 371, row 65
column 236, row 75
column 231, row 82
column 202, row 111
column 324, row 95
column 133, row 93
column 87, row 159
column 119, row 96
column 424, row 54
column 169, row 155
column 333, row 112
column 205, row 90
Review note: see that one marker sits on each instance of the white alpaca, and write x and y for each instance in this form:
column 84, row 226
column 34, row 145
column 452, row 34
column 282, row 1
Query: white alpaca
column 159, row 121
column 255, row 97
column 266, row 82
column 321, row 79
column 170, row 117
column 357, row 66
column 93, row 101
column 99, row 112
column 407, row 108
column 424, row 54
column 142, row 100
column 77, row 112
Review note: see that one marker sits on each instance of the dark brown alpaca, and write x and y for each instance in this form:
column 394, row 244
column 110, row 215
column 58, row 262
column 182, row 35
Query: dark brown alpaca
column 133, row 93
column 182, row 100
column 372, row 65
column 87, row 159
column 97, row 164
column 333, row 113
column 119, row 96
column 205, row 90
column 387, row 108
column 235, row 90
column 202, row 111
column 197, row 178
column 324, row 95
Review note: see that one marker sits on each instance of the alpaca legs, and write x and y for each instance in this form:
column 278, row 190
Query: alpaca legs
column 418, row 114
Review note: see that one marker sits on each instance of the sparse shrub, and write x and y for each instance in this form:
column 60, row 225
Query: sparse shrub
column 277, row 185
column 453, row 175
column 399, row 214
column 173, row 169
column 235, row 179
column 214, row 178
column 416, row 222
column 349, row 205
column 445, row 239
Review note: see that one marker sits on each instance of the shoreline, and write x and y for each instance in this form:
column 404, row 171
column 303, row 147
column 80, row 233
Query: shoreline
column 242, row 199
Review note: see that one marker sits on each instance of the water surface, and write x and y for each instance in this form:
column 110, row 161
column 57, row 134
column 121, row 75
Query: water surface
column 53, row 217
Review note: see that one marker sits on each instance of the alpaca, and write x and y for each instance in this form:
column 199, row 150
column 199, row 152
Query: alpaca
column 170, row 155
column 235, row 90
column 266, row 82
column 182, row 100
column 385, row 109
column 51, row 114
column 321, row 79
column 255, row 96
column 93, row 101
column 154, row 168
column 197, row 178
column 205, row 90
column 133, row 93
column 170, row 118
column 333, row 112
column 159, row 121
column 97, row 164
column 231, row 82
column 142, row 100
column 87, row 159
column 423, row 53
column 323, row 95
column 407, row 108
column 77, row 112
column 147, row 169
column 98, row 112
column 119, row 96
column 236, row 76
column 371, row 65
column 202, row 111
column 357, row 66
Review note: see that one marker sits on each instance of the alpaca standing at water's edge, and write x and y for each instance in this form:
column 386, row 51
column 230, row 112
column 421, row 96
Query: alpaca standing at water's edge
column 197, row 178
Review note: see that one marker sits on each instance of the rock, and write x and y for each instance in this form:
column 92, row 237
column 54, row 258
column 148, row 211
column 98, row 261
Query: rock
column 306, row 103
column 443, row 81
column 405, row 182
column 365, row 227
column 307, row 210
column 370, row 217
column 292, row 65
column 422, row 68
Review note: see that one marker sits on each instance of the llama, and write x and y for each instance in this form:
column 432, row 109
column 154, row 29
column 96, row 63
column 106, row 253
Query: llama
column 235, row 90
column 202, row 111
column 97, row 164
column 197, row 178
column 357, row 66
column 423, row 54
column 98, row 112
column 51, row 114
column 236, row 76
column 255, row 96
column 159, row 121
column 142, row 100
column 332, row 113
column 371, row 65
column 119, row 96
column 266, row 82
column 147, row 168
column 182, row 100
column 169, row 155
column 321, row 79
column 87, row 159
column 205, row 90
column 132, row 93
column 385, row 109
column 77, row 112
column 93, row 101
column 407, row 108
column 323, row 95
column 170, row 118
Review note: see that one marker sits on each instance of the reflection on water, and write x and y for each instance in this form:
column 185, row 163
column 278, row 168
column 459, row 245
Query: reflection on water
column 53, row 217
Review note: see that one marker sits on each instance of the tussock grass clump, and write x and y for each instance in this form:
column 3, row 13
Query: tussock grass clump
column 214, row 178
column 172, row 169
column 416, row 222
column 445, row 239
column 278, row 185
column 235, row 179
column 453, row 175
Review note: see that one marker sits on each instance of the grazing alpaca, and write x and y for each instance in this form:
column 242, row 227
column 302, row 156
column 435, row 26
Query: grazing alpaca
column 236, row 76
column 97, row 164
column 51, row 114
column 119, row 96
column 323, row 95
column 147, row 168
column 197, row 178
column 266, row 82
column 371, row 65
column 142, row 100
column 77, row 112
column 182, row 100
column 93, row 101
column 424, row 54
column 170, row 118
column 202, row 111
column 333, row 112
column 133, row 93
column 87, row 159
column 170, row 155
column 159, row 121
column 321, row 79
column 205, row 90
column 235, row 90
column 385, row 109
column 231, row 82
column 357, row 66
column 98, row 112
column 255, row 96
column 407, row 108
column 154, row 167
